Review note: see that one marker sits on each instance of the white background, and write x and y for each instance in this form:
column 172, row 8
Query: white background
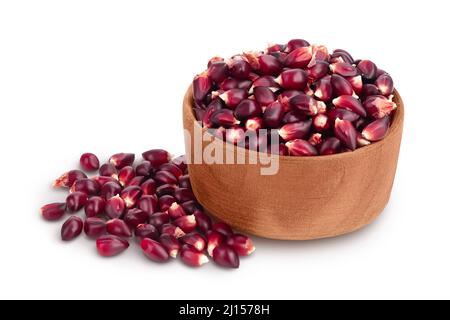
column 109, row 76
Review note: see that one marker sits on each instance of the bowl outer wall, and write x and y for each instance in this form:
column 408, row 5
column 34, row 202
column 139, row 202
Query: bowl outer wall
column 310, row 197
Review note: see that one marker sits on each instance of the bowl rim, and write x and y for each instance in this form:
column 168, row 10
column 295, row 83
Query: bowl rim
column 396, row 125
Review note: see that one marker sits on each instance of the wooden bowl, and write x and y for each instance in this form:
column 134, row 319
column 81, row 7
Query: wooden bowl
column 309, row 197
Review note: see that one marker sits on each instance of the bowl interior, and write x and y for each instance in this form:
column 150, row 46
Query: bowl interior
column 396, row 124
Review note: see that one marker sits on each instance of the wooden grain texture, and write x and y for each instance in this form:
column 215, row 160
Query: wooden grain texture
column 310, row 197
